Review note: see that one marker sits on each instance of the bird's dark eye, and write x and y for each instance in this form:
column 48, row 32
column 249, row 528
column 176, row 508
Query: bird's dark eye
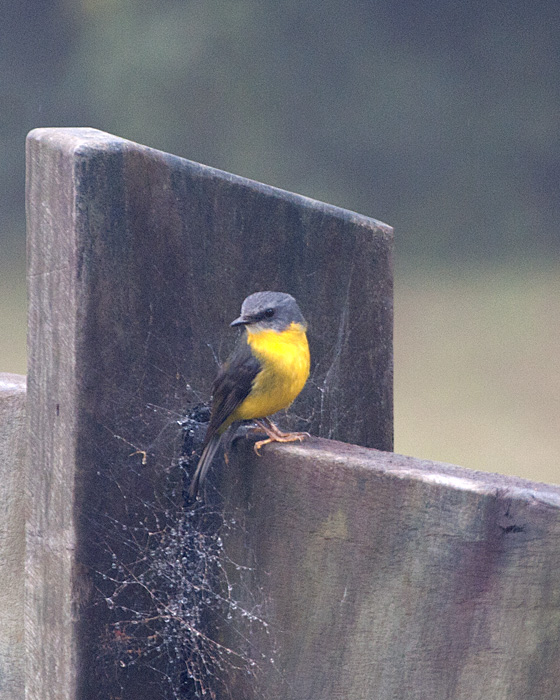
column 269, row 313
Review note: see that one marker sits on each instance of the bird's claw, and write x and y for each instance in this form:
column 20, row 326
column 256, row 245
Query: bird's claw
column 280, row 437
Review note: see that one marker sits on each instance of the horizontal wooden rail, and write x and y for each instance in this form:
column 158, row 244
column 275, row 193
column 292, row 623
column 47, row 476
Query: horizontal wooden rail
column 329, row 571
column 390, row 577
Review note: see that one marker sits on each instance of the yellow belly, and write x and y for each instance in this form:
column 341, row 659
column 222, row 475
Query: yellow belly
column 285, row 360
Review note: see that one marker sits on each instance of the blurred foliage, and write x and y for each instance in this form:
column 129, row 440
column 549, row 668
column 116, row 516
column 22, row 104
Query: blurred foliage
column 474, row 353
column 439, row 118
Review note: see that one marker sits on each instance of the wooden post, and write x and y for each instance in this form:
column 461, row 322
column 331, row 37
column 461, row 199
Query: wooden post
column 12, row 535
column 137, row 262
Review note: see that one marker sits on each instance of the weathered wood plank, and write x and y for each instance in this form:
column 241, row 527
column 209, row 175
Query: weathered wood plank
column 51, row 642
column 137, row 262
column 388, row 577
column 12, row 534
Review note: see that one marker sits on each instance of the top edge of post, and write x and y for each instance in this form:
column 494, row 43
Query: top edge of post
column 83, row 140
column 76, row 138
column 12, row 383
column 405, row 467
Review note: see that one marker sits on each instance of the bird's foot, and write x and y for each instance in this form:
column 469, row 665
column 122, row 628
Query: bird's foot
column 275, row 435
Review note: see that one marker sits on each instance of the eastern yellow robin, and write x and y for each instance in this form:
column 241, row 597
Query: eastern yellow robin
column 265, row 373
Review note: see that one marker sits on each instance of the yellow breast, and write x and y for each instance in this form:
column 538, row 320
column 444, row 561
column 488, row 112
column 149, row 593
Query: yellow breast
column 284, row 358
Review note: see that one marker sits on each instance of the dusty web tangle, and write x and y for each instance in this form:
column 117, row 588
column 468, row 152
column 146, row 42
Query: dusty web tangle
column 182, row 610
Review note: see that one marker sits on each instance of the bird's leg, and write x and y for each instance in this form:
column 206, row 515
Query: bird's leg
column 275, row 434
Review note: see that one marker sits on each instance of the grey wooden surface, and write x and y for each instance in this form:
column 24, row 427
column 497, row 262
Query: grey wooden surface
column 138, row 260
column 53, row 406
column 350, row 573
column 384, row 577
column 12, row 535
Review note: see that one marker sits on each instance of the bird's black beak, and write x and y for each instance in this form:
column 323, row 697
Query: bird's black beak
column 241, row 321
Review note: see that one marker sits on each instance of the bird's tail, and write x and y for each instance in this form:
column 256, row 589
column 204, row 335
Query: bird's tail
column 204, row 464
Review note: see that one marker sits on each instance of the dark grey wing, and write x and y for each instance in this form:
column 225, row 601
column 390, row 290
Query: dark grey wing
column 232, row 386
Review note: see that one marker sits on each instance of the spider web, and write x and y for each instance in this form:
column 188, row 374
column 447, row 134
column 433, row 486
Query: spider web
column 172, row 590
column 177, row 613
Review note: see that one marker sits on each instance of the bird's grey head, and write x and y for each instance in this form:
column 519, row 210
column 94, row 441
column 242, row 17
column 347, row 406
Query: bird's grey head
column 269, row 311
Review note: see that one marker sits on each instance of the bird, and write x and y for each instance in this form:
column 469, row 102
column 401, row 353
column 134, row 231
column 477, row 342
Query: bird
column 266, row 371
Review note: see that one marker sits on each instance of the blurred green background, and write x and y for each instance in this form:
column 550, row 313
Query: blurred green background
column 440, row 118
